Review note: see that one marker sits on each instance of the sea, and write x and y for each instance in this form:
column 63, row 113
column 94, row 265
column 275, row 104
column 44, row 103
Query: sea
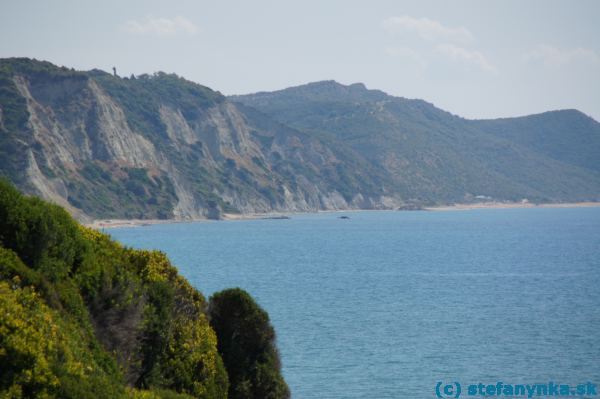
column 412, row 304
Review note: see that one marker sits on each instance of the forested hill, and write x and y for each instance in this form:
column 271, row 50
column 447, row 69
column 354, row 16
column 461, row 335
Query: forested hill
column 432, row 155
column 160, row 146
column 81, row 317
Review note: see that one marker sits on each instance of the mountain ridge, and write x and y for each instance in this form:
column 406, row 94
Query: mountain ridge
column 160, row 146
column 339, row 115
column 360, row 86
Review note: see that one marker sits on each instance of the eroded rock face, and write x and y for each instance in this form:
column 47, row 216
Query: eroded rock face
column 162, row 147
column 105, row 147
column 116, row 139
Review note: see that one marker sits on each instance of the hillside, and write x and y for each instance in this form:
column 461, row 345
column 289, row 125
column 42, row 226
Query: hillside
column 159, row 146
column 566, row 136
column 433, row 156
column 84, row 317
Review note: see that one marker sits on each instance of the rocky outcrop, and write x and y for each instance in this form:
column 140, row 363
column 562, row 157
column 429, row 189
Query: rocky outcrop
column 102, row 146
column 117, row 142
column 160, row 146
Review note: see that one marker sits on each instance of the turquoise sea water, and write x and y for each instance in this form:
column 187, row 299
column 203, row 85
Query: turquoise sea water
column 386, row 304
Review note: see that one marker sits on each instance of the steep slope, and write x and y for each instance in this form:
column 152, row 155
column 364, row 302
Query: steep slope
column 160, row 147
column 433, row 156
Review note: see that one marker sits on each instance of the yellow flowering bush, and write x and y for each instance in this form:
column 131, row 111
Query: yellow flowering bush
column 83, row 317
column 38, row 347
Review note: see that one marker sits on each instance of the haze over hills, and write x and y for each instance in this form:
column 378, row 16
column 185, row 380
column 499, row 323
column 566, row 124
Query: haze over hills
column 159, row 146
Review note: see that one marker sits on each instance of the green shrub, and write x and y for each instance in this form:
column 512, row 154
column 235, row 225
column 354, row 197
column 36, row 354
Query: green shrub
column 247, row 345
column 45, row 355
column 81, row 316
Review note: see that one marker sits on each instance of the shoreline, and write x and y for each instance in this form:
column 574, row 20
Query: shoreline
column 121, row 223
column 510, row 205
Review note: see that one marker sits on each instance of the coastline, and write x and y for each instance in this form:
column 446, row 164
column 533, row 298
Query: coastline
column 510, row 205
column 120, row 223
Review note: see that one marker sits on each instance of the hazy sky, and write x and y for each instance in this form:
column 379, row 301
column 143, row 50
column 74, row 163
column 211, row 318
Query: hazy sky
column 477, row 59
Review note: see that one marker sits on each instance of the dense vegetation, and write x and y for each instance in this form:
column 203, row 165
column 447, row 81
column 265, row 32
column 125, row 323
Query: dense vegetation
column 121, row 192
column 83, row 317
column 246, row 341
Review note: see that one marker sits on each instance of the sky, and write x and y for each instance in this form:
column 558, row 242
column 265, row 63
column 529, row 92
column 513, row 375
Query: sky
column 477, row 59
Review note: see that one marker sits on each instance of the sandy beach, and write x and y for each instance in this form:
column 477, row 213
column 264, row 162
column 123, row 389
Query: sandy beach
column 510, row 205
column 117, row 223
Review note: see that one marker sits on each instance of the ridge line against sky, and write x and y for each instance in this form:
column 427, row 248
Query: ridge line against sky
column 475, row 59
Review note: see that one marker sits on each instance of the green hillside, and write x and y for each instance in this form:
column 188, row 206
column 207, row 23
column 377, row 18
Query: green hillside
column 81, row 316
column 434, row 156
column 567, row 136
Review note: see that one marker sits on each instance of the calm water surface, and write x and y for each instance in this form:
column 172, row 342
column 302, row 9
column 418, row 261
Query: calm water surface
column 386, row 304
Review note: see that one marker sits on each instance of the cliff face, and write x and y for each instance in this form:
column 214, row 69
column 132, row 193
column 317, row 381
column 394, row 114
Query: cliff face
column 160, row 147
